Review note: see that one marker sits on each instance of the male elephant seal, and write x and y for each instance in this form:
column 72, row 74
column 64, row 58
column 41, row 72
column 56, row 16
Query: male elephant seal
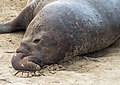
column 58, row 28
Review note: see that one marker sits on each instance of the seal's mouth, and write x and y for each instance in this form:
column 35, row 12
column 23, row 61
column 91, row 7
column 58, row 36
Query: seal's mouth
column 25, row 62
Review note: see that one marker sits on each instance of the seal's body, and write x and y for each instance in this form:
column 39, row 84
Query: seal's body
column 56, row 28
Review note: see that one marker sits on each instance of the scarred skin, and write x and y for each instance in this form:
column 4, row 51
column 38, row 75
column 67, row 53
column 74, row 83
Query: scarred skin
column 59, row 28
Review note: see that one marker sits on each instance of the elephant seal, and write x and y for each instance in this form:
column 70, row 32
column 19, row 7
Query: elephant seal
column 59, row 28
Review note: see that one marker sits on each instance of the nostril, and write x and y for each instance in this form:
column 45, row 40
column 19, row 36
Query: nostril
column 23, row 50
column 19, row 50
column 36, row 41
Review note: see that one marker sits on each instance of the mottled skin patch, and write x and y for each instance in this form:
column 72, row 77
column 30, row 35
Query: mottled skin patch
column 56, row 28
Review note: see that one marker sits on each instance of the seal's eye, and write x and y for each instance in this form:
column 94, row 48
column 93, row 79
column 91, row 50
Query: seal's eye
column 36, row 41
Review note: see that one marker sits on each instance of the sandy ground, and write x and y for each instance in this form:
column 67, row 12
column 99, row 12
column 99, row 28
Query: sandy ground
column 102, row 70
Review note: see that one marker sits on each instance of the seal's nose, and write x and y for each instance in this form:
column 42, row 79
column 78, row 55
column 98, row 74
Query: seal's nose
column 16, row 61
column 21, row 63
column 23, row 49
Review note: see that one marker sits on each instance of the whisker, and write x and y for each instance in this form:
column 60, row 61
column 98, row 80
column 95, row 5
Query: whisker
column 16, row 73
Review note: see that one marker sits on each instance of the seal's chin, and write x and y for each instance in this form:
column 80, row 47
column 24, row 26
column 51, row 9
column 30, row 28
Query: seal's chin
column 23, row 62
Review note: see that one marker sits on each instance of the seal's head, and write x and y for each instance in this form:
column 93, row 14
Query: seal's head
column 38, row 50
column 46, row 40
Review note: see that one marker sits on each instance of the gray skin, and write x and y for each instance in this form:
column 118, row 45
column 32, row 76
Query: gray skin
column 59, row 28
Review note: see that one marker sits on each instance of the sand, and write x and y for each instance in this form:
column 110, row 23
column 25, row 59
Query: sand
column 104, row 69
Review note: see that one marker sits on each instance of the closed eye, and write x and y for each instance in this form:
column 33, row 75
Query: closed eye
column 36, row 41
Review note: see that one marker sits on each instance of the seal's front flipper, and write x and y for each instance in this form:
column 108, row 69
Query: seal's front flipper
column 4, row 28
column 9, row 27
column 21, row 21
